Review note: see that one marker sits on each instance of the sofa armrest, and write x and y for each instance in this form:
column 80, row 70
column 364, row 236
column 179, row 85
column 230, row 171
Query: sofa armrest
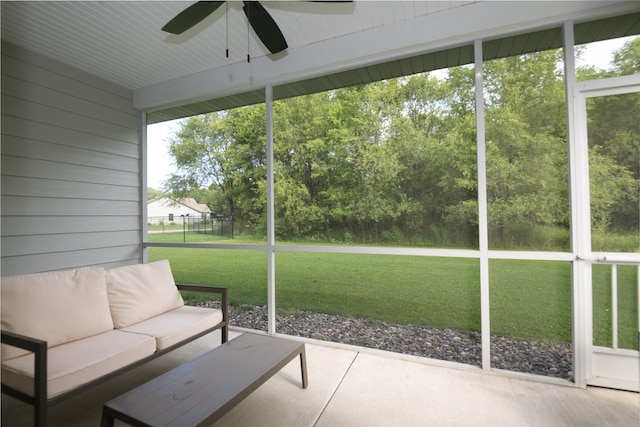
column 39, row 349
column 22, row 341
column 224, row 303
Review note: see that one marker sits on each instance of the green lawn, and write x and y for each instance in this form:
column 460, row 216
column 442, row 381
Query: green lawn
column 627, row 303
column 191, row 237
column 530, row 299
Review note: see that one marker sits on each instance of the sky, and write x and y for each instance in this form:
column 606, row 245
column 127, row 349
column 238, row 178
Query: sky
column 159, row 163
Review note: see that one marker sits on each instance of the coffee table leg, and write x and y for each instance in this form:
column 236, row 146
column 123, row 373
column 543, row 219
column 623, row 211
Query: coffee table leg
column 107, row 418
column 303, row 368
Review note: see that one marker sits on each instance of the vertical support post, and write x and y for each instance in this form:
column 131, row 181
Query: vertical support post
column 580, row 222
column 271, row 277
column 40, row 377
column 485, row 312
column 143, row 188
column 303, row 367
column 224, row 304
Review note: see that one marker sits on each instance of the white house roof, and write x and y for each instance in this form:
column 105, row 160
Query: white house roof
column 189, row 203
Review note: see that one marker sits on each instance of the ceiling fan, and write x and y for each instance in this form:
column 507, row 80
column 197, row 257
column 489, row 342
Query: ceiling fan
column 260, row 20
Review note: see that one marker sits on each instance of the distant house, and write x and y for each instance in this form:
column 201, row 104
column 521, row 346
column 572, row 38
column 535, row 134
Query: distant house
column 170, row 210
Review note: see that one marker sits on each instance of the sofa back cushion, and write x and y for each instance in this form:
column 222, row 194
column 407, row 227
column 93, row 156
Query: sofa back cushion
column 139, row 292
column 56, row 306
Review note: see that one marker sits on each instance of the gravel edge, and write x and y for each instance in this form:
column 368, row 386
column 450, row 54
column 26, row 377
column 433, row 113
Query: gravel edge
column 548, row 358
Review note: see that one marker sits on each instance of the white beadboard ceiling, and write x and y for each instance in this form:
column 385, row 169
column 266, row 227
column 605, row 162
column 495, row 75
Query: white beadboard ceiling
column 330, row 44
column 121, row 41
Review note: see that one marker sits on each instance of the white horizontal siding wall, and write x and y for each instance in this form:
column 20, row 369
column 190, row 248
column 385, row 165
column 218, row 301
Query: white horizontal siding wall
column 71, row 168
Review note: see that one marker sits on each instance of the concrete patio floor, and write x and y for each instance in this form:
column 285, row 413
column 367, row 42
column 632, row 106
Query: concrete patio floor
column 355, row 387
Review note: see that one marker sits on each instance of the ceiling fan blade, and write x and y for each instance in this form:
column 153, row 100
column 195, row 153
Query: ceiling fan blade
column 264, row 26
column 191, row 16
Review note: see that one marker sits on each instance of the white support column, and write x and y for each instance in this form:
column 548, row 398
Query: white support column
column 143, row 188
column 271, row 268
column 485, row 308
column 580, row 223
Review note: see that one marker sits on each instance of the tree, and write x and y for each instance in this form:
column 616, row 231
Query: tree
column 612, row 186
column 399, row 156
column 627, row 59
column 222, row 152
column 525, row 140
column 333, row 170
column 245, row 165
column 614, row 149
column 153, row 194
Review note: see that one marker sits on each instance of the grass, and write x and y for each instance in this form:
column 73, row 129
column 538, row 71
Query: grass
column 191, row 237
column 397, row 289
column 243, row 272
column 172, row 226
column 615, row 242
column 530, row 299
column 627, row 303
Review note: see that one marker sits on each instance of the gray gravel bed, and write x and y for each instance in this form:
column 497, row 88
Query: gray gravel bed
column 547, row 358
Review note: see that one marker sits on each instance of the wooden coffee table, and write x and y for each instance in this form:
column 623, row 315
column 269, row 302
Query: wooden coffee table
column 201, row 391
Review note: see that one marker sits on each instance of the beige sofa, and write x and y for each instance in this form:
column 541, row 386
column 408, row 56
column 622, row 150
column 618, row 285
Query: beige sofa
column 65, row 331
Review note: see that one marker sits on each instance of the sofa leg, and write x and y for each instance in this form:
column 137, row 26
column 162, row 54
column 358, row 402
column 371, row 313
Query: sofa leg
column 40, row 384
column 40, row 414
column 225, row 334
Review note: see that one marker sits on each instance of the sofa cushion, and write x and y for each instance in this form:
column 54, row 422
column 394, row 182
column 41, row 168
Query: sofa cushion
column 176, row 325
column 73, row 364
column 57, row 306
column 139, row 292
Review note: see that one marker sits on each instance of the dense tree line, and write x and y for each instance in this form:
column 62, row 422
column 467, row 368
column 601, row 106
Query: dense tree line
column 395, row 160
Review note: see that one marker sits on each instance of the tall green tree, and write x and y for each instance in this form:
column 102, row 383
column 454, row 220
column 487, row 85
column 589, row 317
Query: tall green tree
column 224, row 153
column 400, row 155
column 525, row 140
column 199, row 150
column 332, row 170
column 304, row 165
column 627, row 59
column 153, row 193
column 614, row 149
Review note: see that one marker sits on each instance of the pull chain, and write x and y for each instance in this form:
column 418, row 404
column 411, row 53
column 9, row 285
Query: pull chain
column 226, row 5
column 248, row 29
